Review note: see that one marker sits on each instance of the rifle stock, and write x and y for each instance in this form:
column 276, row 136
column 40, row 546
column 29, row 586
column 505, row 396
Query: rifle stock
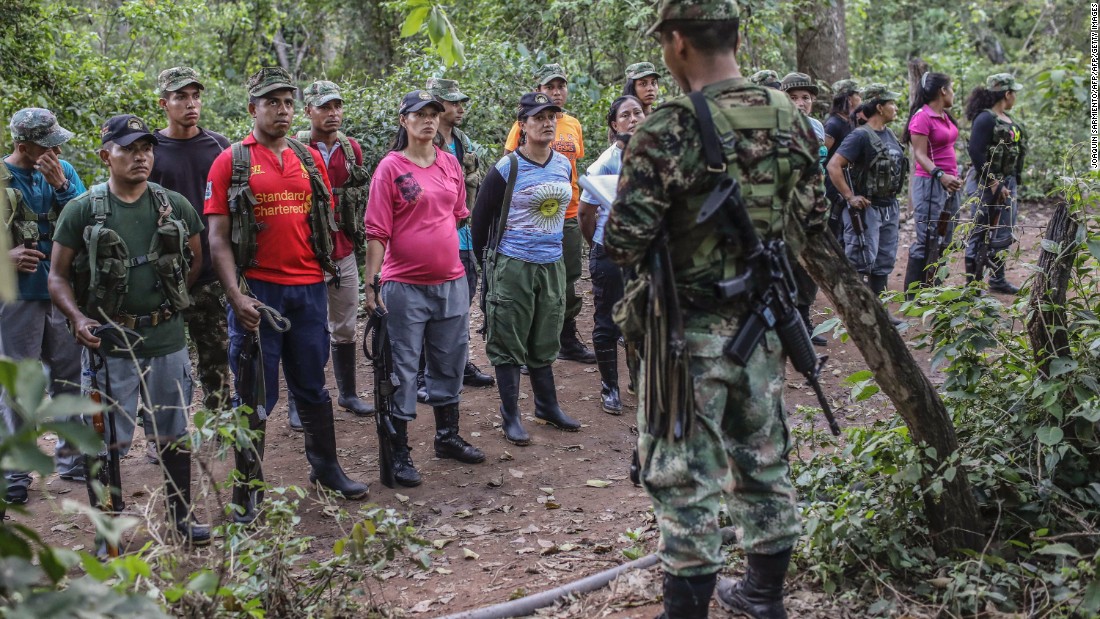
column 936, row 247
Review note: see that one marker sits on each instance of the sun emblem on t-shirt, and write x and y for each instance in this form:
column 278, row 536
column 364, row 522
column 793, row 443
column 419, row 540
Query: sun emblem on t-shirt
column 549, row 202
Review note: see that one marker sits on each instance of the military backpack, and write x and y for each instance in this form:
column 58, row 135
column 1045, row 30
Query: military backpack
column 883, row 176
column 244, row 228
column 1006, row 148
column 22, row 220
column 101, row 271
column 351, row 198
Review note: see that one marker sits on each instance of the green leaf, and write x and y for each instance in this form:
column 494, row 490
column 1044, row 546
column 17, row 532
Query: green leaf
column 204, row 581
column 858, row 377
column 1094, row 247
column 80, row 436
column 1060, row 549
column 1051, row 246
column 862, row 392
column 24, row 456
column 1090, row 601
column 413, row 22
column 68, row 405
column 8, row 371
column 1049, row 435
column 30, row 387
column 1062, row 365
column 437, row 26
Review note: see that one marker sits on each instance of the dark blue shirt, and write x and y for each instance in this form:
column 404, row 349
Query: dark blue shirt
column 40, row 196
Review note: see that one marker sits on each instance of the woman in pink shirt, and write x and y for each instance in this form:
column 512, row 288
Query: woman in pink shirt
column 417, row 198
column 931, row 133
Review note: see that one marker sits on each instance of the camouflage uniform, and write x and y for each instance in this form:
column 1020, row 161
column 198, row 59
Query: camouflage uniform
column 738, row 449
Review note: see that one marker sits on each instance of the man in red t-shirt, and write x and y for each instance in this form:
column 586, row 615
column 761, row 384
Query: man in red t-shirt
column 325, row 109
column 285, row 276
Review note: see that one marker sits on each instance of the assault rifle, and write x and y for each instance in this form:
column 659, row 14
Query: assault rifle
column 985, row 252
column 106, row 469
column 385, row 384
column 769, row 283
column 937, row 237
column 859, row 226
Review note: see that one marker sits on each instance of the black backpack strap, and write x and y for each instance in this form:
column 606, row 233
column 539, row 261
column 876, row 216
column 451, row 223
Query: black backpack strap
column 242, row 171
column 513, row 172
column 708, row 133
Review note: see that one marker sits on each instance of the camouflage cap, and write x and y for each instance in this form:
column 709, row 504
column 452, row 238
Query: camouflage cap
column 550, row 72
column 171, row 80
column 38, row 125
column 321, row 92
column 767, row 77
column 798, row 81
column 849, row 87
column 638, row 70
column 1002, row 82
column 269, row 79
column 446, row 90
column 879, row 92
column 696, row 10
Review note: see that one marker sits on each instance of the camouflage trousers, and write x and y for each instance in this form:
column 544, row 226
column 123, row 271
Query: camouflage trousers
column 210, row 338
column 737, row 453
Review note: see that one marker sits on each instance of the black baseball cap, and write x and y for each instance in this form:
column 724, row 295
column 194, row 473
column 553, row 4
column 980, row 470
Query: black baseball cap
column 416, row 100
column 532, row 103
column 124, row 130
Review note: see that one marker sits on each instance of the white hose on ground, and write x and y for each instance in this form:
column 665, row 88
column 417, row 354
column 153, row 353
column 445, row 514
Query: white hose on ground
column 529, row 604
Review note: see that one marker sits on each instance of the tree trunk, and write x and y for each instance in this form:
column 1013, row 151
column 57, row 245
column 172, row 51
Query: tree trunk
column 821, row 45
column 1046, row 326
column 953, row 517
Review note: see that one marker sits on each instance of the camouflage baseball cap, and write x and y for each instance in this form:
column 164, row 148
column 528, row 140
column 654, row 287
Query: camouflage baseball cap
column 1001, row 82
column 798, row 81
column 38, row 125
column 849, row 87
column 269, row 79
column 550, row 72
column 447, row 90
column 638, row 70
column 879, row 92
column 321, row 92
column 767, row 77
column 171, row 80
column 697, row 10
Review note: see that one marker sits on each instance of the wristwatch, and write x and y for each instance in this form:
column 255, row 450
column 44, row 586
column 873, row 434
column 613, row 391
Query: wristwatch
column 936, row 173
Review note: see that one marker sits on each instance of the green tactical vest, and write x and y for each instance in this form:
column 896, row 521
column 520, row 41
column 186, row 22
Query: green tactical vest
column 101, row 271
column 1005, row 149
column 242, row 215
column 351, row 203
column 767, row 203
column 882, row 177
column 22, row 219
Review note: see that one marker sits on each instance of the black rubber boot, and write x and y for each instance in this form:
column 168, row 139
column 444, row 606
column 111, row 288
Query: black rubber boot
column 818, row 340
column 177, row 486
column 249, row 462
column 404, row 472
column 546, row 400
column 343, row 367
column 878, row 285
column 688, row 597
column 572, row 348
column 970, row 267
column 759, row 594
column 607, row 360
column 997, row 280
column 914, row 274
column 474, row 377
column 320, row 439
column 293, row 420
column 448, row 443
column 508, row 387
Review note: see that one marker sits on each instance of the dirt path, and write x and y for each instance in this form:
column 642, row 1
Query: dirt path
column 528, row 514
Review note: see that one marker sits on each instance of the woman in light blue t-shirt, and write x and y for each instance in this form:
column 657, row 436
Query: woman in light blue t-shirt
column 607, row 278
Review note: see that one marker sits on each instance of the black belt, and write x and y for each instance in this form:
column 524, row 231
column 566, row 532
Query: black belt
column 161, row 314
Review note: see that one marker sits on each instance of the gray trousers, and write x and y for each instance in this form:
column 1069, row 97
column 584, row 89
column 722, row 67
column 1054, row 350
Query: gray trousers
column 156, row 388
column 434, row 319
column 37, row 330
column 929, row 200
column 880, row 240
column 1000, row 237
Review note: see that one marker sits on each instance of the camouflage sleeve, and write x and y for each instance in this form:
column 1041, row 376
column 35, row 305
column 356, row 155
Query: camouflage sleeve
column 808, row 199
column 654, row 170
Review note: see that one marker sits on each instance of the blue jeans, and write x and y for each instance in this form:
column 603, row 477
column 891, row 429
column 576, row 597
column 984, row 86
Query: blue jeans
column 304, row 349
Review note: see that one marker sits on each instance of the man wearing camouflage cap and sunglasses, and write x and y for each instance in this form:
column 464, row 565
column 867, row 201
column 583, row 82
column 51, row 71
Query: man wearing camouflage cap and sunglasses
column 720, row 434
column 38, row 184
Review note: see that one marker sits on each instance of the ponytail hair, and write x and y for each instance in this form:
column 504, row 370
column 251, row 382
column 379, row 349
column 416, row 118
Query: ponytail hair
column 629, row 89
column 400, row 141
column 613, row 112
column 980, row 100
column 928, row 89
column 841, row 104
